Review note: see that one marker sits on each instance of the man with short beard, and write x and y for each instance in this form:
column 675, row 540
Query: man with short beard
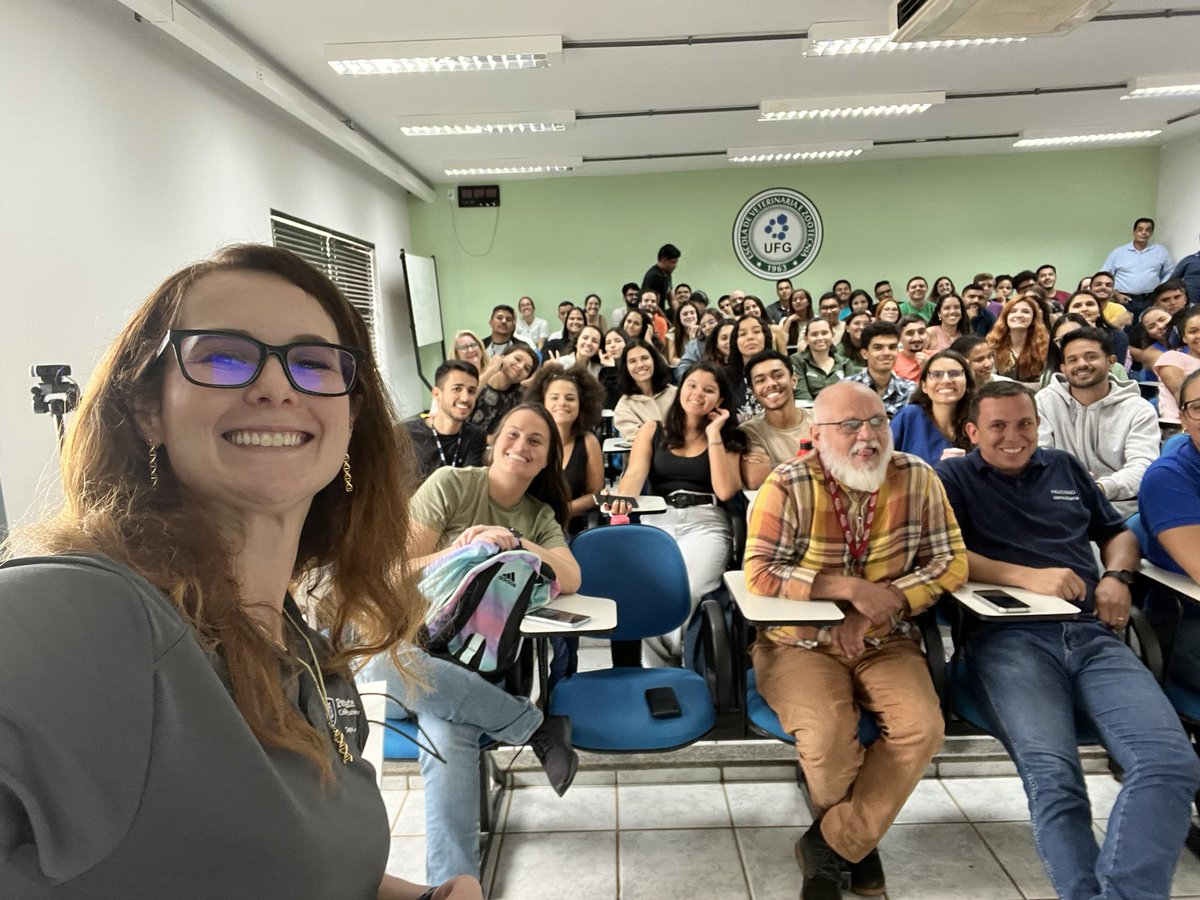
column 854, row 522
column 774, row 436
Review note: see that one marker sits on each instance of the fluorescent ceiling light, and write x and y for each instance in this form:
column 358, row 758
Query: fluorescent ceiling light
column 470, row 55
column 456, row 168
column 852, row 38
column 1163, row 86
column 848, row 107
column 798, row 153
column 1059, row 139
column 487, row 123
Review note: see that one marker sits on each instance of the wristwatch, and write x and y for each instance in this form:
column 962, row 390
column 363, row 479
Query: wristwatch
column 1122, row 575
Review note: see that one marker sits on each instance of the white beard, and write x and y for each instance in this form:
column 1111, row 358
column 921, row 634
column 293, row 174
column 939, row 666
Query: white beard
column 855, row 477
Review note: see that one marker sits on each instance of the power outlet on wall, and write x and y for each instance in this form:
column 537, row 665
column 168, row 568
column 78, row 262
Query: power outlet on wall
column 450, row 194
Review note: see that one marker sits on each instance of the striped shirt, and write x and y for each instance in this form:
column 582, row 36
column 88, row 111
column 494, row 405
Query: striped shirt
column 794, row 536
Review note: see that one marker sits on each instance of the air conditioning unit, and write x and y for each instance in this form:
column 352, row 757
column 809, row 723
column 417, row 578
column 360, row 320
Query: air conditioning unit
column 932, row 20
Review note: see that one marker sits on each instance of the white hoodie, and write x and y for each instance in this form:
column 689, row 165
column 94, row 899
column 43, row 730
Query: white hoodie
column 1117, row 437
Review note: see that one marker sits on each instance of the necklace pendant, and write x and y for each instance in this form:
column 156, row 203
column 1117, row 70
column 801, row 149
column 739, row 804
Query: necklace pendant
column 343, row 748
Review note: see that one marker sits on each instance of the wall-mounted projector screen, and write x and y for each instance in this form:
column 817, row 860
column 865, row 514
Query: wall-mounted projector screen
column 424, row 303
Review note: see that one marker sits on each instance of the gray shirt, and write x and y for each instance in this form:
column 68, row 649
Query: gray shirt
column 127, row 771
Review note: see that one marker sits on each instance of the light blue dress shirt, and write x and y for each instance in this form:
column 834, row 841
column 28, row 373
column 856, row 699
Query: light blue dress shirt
column 1139, row 271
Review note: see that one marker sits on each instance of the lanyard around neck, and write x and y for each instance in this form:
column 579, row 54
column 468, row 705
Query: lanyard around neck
column 858, row 538
column 437, row 441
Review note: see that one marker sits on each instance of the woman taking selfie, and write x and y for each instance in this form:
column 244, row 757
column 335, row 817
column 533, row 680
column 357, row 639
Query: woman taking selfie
column 692, row 461
column 158, row 680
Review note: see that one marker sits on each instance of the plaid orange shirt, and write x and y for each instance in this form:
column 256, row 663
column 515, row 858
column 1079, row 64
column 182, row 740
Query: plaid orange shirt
column 794, row 536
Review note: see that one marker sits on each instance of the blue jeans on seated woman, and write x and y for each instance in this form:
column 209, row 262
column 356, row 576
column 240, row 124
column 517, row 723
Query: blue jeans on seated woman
column 455, row 710
column 1031, row 681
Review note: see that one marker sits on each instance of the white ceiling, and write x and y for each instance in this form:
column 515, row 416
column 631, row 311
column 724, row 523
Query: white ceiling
column 289, row 35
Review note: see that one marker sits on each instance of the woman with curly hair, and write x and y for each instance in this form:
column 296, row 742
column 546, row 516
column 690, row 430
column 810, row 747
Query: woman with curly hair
column 935, row 419
column 1020, row 340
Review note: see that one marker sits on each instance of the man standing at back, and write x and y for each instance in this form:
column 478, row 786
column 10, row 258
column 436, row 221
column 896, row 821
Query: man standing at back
column 1029, row 517
column 855, row 522
column 1139, row 267
column 658, row 276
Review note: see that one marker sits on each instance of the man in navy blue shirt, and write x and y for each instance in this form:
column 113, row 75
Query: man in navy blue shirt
column 1027, row 516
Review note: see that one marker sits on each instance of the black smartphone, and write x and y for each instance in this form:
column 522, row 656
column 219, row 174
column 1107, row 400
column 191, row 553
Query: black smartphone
column 1002, row 601
column 610, row 499
column 663, row 703
column 559, row 617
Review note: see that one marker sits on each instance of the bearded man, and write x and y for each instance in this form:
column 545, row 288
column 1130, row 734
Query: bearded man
column 855, row 522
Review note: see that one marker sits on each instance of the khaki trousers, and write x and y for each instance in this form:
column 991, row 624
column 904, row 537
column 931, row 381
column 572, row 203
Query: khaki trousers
column 818, row 695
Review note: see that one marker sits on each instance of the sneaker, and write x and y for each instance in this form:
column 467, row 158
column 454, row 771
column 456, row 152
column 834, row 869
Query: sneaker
column 552, row 745
column 866, row 875
column 821, row 865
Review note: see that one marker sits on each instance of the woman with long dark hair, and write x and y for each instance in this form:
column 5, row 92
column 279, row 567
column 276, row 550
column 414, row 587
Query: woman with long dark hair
column 948, row 323
column 851, row 345
column 610, row 366
column 718, row 343
column 800, row 310
column 572, row 324
column 749, row 337
column 585, row 351
column 1177, row 363
column 692, row 461
column 501, row 391
column 1087, row 305
column 646, row 390
column 935, row 419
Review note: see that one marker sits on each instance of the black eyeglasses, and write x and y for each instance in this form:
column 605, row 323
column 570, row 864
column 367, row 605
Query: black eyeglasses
column 226, row 359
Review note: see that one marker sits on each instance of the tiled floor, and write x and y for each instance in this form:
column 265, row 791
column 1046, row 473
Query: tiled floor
column 633, row 840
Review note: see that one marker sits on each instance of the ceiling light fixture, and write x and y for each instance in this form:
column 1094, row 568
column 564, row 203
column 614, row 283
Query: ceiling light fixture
column 848, row 107
column 458, row 168
column 1163, row 86
column 854, row 38
column 1059, row 139
column 798, row 153
column 472, row 55
column 487, row 123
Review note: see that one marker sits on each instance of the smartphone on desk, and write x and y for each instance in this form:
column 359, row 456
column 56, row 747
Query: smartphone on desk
column 609, row 499
column 558, row 617
column 1002, row 601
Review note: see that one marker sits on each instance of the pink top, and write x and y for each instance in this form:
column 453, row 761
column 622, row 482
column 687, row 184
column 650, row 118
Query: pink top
column 1168, row 407
column 938, row 340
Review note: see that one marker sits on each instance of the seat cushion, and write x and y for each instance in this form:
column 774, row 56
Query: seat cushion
column 764, row 720
column 1185, row 700
column 399, row 736
column 967, row 708
column 609, row 712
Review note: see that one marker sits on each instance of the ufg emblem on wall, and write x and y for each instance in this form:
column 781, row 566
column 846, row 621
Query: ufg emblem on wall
column 777, row 234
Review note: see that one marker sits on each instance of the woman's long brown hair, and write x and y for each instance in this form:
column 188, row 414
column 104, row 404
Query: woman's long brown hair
column 351, row 557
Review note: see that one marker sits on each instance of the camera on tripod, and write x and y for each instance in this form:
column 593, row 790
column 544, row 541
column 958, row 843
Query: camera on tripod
column 55, row 393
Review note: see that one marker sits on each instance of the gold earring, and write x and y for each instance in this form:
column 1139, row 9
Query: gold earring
column 346, row 475
column 153, row 465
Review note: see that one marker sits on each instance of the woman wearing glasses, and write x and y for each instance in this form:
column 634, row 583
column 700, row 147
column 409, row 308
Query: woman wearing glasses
column 235, row 443
column 933, row 425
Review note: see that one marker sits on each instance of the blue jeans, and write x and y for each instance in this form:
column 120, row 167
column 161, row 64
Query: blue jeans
column 1031, row 681
column 456, row 709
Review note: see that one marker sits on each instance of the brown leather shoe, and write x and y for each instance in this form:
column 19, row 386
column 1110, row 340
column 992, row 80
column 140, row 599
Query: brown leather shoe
column 866, row 875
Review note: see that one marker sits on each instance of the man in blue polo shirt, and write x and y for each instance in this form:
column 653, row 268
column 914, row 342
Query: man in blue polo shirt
column 1027, row 516
column 1139, row 266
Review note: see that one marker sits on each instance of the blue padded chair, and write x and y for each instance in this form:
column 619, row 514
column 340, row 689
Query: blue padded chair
column 762, row 719
column 1172, row 444
column 642, row 569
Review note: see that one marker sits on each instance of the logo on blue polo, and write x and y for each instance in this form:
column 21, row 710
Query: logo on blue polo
column 777, row 233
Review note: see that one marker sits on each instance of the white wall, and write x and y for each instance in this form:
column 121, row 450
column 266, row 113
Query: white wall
column 125, row 157
column 1178, row 216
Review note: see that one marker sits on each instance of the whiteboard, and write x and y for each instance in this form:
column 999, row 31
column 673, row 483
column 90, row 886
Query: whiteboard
column 424, row 303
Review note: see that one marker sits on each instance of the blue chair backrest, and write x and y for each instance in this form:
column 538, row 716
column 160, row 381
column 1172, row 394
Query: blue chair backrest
column 640, row 568
column 1134, row 524
column 1173, row 443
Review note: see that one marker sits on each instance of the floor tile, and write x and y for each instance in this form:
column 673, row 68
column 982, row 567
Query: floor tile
column 411, row 817
column 942, row 862
column 392, row 801
column 770, row 860
column 594, row 658
column 990, row 799
column 767, row 803
column 553, row 865
column 672, row 806
column 681, row 863
column 584, row 808
column 406, row 858
column 1012, row 842
column 930, row 802
column 1187, row 876
column 669, row 775
column 1102, row 791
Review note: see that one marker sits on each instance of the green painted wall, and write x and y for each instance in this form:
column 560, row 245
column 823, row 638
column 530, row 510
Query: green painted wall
column 563, row 238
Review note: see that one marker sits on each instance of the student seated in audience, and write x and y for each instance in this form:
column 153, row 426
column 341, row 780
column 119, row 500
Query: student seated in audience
column 718, row 343
column 800, row 310
column 592, row 314
column 685, row 327
column 904, row 551
column 1088, row 305
column 446, row 437
column 1102, row 422
column 829, row 308
column 632, row 294
column 563, row 308
column 773, row 437
column 860, row 302
column 978, row 320
column 819, row 365
column 561, row 346
column 1103, row 287
column 932, row 425
column 1166, row 300
column 889, row 310
column 1047, row 279
column 637, row 324
column 943, row 286
column 1169, row 503
column 1174, row 365
column 1028, row 517
column 691, row 459
column 693, row 351
column 1020, row 340
column 469, row 348
column 918, row 303
column 881, row 343
column 1002, row 290
column 947, row 324
column 914, row 335
column 883, row 291
column 1151, row 341
column 584, row 353
column 1063, row 326
column 610, row 366
column 646, row 389
column 752, row 306
column 851, row 344
column 749, row 337
column 502, row 391
column 529, row 328
column 781, row 308
column 652, row 310
column 503, row 324
column 981, row 357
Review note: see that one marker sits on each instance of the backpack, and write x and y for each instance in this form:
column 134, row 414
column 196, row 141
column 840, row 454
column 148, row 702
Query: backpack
column 477, row 599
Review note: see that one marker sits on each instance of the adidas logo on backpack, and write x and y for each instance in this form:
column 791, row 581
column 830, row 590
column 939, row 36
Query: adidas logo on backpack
column 508, row 578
